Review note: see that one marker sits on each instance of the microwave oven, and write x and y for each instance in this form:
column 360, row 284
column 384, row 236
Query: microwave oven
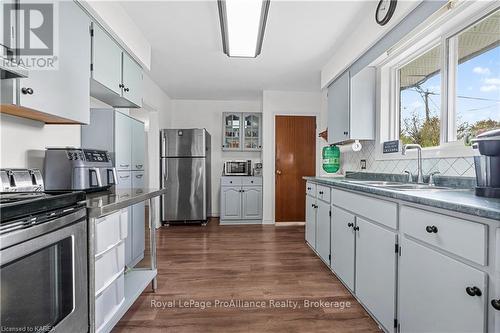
column 238, row 168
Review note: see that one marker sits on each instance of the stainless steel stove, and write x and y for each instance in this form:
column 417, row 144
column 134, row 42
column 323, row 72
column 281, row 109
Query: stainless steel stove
column 43, row 256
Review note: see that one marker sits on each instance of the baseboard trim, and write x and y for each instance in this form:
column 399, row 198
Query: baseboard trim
column 287, row 224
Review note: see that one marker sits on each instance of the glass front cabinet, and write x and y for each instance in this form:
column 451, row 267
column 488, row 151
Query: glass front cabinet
column 242, row 131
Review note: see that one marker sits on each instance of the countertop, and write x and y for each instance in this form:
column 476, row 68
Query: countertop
column 103, row 203
column 459, row 200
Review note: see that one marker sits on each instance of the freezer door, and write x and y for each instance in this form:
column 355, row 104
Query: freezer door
column 185, row 181
column 183, row 143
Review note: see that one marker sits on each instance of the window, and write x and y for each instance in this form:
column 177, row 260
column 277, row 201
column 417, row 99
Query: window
column 443, row 85
column 419, row 99
column 474, row 62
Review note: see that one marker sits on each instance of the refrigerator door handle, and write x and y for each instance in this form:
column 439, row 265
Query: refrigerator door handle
column 163, row 145
column 164, row 172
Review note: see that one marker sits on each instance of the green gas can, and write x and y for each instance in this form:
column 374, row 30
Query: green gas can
column 331, row 159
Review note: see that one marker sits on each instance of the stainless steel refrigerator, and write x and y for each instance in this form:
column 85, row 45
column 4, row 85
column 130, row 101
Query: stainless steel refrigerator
column 185, row 173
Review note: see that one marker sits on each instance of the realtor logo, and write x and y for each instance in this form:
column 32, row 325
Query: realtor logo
column 31, row 29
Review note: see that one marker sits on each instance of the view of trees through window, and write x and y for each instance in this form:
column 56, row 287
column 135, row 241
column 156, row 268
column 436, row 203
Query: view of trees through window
column 420, row 99
column 476, row 64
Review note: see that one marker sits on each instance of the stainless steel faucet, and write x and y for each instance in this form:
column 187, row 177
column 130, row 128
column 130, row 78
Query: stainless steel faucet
column 420, row 175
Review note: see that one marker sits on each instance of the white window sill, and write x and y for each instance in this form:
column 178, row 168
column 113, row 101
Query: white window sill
column 449, row 150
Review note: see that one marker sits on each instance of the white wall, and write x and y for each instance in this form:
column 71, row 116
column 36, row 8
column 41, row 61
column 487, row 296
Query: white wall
column 366, row 34
column 208, row 114
column 285, row 103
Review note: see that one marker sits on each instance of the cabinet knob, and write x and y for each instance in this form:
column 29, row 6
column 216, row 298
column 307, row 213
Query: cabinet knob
column 473, row 291
column 27, row 91
column 356, row 228
column 350, row 225
column 495, row 303
column 126, row 89
column 121, row 85
column 431, row 229
column 308, row 188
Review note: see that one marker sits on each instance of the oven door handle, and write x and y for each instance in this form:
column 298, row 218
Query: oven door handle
column 97, row 176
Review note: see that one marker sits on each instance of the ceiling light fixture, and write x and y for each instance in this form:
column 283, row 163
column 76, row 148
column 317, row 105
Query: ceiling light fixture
column 242, row 25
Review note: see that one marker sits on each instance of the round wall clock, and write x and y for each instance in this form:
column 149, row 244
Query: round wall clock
column 385, row 10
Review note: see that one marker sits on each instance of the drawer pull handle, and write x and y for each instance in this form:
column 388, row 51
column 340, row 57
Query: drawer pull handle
column 350, row 225
column 495, row 303
column 431, row 229
column 473, row 291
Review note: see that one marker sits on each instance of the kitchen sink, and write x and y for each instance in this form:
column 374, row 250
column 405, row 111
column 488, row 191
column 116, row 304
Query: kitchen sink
column 396, row 186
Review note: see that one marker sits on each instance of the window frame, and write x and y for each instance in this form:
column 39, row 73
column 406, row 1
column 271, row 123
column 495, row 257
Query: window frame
column 442, row 31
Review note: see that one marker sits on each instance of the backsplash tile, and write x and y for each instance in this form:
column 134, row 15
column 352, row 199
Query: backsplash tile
column 350, row 161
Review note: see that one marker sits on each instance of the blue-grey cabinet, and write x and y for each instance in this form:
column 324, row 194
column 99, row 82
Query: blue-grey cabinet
column 123, row 141
column 138, row 141
column 310, row 232
column 343, row 245
column 241, row 200
column 63, row 91
column 351, row 107
column 241, row 131
column 323, row 230
column 116, row 77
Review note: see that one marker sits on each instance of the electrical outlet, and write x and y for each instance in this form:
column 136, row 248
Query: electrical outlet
column 363, row 164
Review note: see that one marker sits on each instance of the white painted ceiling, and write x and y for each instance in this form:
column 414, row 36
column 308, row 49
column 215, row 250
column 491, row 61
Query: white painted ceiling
column 187, row 57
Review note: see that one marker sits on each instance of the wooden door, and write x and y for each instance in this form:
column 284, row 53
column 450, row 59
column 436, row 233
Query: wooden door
column 295, row 158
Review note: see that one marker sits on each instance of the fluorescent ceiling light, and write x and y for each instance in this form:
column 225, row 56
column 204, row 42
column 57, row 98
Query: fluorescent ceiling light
column 242, row 26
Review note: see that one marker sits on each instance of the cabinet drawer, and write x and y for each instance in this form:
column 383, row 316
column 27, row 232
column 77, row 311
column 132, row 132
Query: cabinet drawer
column 110, row 230
column 464, row 238
column 251, row 181
column 311, row 189
column 323, row 193
column 381, row 211
column 108, row 302
column 230, row 181
column 108, row 266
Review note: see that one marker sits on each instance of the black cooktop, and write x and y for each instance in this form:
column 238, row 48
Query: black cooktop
column 15, row 205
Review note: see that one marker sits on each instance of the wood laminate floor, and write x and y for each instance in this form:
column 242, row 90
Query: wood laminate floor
column 266, row 264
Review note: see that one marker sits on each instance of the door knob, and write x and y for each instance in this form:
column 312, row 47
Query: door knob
column 473, row 291
column 278, row 172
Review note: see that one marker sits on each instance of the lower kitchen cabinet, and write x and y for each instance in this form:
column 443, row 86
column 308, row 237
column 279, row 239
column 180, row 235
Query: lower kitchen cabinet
column 311, row 221
column 323, row 230
column 241, row 203
column 434, row 292
column 376, row 271
column 343, row 245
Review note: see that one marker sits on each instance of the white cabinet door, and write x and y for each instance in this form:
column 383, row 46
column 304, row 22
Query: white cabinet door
column 432, row 292
column 376, row 271
column 138, row 226
column 338, row 109
column 342, row 244
column 323, row 231
column 132, row 80
column 106, row 60
column 123, row 141
column 231, row 203
column 311, row 221
column 231, row 131
column 362, row 108
column 124, row 180
column 63, row 91
column 138, row 145
column 252, row 202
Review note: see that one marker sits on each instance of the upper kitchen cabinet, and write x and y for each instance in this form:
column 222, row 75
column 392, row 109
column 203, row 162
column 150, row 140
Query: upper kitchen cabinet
column 116, row 78
column 351, row 107
column 46, row 94
column 242, row 131
column 106, row 60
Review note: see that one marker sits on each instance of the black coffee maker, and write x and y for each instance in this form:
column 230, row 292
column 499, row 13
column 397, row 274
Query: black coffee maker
column 488, row 164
